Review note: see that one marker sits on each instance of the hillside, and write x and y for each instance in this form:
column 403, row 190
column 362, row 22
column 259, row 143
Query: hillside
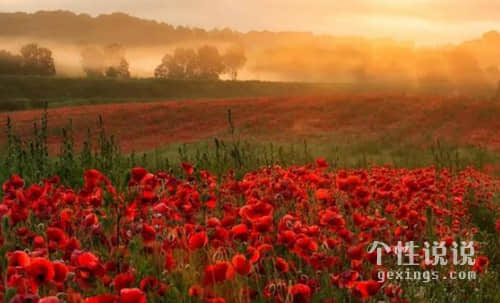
column 68, row 27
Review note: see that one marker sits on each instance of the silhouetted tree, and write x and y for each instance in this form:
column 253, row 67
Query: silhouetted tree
column 210, row 63
column 181, row 66
column 186, row 64
column 119, row 71
column 162, row 71
column 108, row 61
column 37, row 60
column 234, row 59
column 10, row 64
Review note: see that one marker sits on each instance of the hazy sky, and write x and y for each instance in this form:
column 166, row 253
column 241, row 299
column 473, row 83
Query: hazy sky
column 425, row 21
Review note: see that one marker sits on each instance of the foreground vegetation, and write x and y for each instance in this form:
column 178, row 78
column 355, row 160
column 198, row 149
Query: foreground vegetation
column 31, row 92
column 297, row 234
column 238, row 221
column 30, row 157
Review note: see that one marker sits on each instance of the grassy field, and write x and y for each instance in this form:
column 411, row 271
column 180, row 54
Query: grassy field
column 31, row 92
column 18, row 93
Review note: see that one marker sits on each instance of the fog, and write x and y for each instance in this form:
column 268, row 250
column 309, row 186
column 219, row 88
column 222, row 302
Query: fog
column 315, row 59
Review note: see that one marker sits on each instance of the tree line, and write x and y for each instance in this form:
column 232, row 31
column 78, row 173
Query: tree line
column 204, row 63
column 108, row 61
column 31, row 60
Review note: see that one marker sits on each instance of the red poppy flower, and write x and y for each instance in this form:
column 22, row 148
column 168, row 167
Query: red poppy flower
column 321, row 194
column 102, row 299
column 346, row 279
column 197, row 240
column 61, row 272
column 15, row 182
column 87, row 260
column 195, row 291
column 18, row 258
column 148, row 283
column 241, row 265
column 92, row 177
column 356, row 252
column 393, row 291
column 262, row 224
column 38, row 242
column 240, row 232
column 148, row 233
column 218, row 272
column 305, row 246
column 256, row 210
column 123, row 280
column 169, row 261
column 41, row 271
column 331, row 218
column 87, row 267
column 51, row 299
column 132, row 295
column 498, row 226
column 349, row 183
column 301, row 293
column 138, row 173
column 321, row 163
column 281, row 265
column 188, row 168
column 56, row 237
column 480, row 264
column 366, row 289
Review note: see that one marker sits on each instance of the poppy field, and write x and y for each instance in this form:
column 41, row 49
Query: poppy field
column 85, row 218
column 344, row 118
column 278, row 234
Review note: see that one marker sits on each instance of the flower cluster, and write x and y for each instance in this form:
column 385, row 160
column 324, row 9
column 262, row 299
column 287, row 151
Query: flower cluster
column 278, row 234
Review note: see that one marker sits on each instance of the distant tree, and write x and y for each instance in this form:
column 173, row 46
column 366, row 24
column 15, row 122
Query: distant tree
column 107, row 61
column 119, row 71
column 210, row 63
column 10, row 64
column 234, row 59
column 186, row 64
column 93, row 62
column 183, row 65
column 37, row 60
column 162, row 71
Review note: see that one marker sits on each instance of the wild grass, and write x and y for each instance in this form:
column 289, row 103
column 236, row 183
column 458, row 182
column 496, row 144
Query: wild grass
column 30, row 157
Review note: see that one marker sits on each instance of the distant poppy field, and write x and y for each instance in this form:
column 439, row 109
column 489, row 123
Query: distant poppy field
column 343, row 118
column 278, row 234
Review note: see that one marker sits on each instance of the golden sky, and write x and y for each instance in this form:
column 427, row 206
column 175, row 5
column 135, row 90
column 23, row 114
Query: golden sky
column 424, row 21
